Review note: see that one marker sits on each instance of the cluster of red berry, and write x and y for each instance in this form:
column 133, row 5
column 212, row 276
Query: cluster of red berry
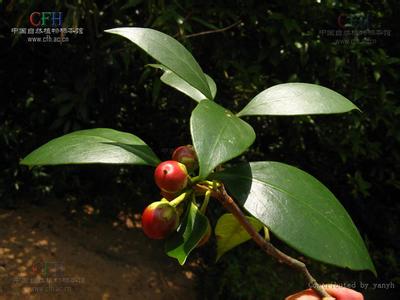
column 161, row 218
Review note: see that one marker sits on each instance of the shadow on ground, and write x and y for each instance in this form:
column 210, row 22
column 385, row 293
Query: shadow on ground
column 52, row 253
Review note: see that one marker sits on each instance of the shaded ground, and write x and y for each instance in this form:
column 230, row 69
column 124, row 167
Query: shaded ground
column 51, row 253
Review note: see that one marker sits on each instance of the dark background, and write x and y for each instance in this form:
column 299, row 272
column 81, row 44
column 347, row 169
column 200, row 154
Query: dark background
column 100, row 80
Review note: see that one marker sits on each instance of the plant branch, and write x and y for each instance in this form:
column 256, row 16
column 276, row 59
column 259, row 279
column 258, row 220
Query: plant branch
column 229, row 204
column 213, row 31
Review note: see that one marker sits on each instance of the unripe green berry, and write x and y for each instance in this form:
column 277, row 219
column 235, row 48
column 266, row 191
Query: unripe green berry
column 187, row 156
column 206, row 236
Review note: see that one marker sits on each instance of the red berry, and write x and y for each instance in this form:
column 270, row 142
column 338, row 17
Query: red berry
column 159, row 219
column 187, row 156
column 171, row 176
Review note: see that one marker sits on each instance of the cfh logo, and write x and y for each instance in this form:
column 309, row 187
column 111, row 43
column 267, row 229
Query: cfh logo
column 47, row 268
column 46, row 18
column 354, row 21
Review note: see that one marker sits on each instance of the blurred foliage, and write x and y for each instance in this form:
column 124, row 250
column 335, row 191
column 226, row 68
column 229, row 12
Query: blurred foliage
column 99, row 80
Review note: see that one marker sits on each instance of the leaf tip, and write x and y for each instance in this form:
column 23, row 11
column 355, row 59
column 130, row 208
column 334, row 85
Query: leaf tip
column 181, row 260
column 25, row 162
column 375, row 273
column 373, row 270
column 113, row 30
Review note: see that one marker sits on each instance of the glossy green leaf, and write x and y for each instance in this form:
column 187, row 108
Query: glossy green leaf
column 191, row 231
column 230, row 233
column 173, row 80
column 300, row 210
column 169, row 52
column 100, row 145
column 218, row 135
column 297, row 99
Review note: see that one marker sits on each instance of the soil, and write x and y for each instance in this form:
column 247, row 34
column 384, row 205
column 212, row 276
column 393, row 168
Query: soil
column 52, row 252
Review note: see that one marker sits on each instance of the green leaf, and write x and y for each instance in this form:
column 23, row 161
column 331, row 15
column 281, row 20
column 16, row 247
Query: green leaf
column 191, row 231
column 218, row 135
column 100, row 145
column 297, row 99
column 230, row 233
column 300, row 210
column 168, row 52
column 173, row 80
